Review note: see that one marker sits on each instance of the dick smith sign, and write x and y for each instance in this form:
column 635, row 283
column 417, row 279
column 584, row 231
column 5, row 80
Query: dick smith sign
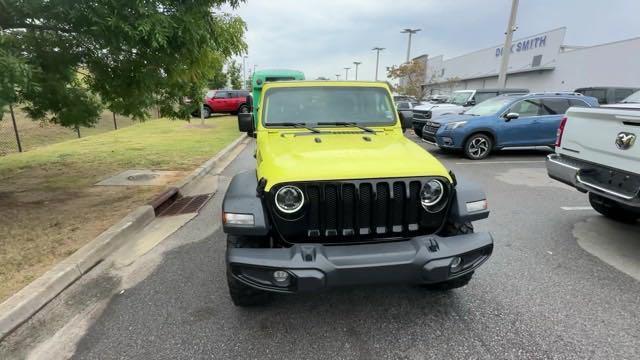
column 525, row 45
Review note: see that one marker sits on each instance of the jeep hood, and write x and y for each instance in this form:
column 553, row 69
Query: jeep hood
column 300, row 156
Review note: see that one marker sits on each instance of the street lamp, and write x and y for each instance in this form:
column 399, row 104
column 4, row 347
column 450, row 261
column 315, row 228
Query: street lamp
column 357, row 63
column 346, row 73
column 337, row 76
column 244, row 71
column 377, row 50
column 506, row 49
column 410, row 32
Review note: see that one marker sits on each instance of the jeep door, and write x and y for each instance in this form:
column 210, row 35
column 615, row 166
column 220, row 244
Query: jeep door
column 526, row 130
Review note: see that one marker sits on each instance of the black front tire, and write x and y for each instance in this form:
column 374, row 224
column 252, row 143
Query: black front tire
column 206, row 112
column 478, row 146
column 612, row 210
column 241, row 294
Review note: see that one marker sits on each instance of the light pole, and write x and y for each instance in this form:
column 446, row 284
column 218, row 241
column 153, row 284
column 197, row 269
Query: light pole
column 506, row 49
column 346, row 73
column 377, row 50
column 410, row 32
column 337, row 76
column 244, row 71
column 357, row 63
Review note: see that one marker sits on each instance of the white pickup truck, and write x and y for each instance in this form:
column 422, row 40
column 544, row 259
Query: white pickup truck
column 597, row 152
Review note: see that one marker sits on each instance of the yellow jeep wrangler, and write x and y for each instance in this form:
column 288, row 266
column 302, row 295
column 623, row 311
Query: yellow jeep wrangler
column 340, row 197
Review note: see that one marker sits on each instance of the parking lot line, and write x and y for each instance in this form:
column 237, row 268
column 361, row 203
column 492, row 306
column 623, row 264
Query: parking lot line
column 501, row 162
column 576, row 208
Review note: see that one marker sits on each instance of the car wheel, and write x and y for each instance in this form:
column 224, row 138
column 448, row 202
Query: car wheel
column 478, row 146
column 241, row 294
column 206, row 112
column 612, row 210
column 243, row 109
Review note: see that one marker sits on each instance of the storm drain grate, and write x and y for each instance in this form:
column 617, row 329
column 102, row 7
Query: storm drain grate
column 185, row 205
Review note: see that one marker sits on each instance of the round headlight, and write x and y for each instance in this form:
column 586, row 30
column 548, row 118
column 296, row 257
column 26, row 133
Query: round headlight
column 431, row 194
column 289, row 199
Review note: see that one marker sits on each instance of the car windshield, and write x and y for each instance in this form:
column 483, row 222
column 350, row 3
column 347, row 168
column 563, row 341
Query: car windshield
column 489, row 107
column 326, row 105
column 633, row 98
column 460, row 97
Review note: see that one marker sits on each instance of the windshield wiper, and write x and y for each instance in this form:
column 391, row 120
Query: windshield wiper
column 296, row 125
column 344, row 123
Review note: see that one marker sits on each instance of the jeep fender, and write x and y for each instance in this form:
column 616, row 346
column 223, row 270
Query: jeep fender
column 242, row 198
column 467, row 192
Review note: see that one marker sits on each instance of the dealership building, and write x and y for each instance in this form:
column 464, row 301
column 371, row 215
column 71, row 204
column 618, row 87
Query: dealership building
column 540, row 62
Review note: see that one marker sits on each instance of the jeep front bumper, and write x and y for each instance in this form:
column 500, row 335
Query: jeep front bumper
column 313, row 267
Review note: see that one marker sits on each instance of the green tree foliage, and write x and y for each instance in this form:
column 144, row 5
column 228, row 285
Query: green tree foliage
column 65, row 58
column 219, row 79
column 233, row 72
column 412, row 77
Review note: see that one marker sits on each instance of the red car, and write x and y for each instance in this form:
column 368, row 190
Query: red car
column 225, row 101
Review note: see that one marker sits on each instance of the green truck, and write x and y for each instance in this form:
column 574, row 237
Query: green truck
column 261, row 77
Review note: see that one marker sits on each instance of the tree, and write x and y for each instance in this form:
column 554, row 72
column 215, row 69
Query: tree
column 219, row 79
column 69, row 58
column 233, row 72
column 412, row 77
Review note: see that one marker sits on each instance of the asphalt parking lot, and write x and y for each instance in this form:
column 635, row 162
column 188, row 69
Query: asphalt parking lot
column 562, row 283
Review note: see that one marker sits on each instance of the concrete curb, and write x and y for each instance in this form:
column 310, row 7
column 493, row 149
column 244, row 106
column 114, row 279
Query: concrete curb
column 211, row 163
column 25, row 303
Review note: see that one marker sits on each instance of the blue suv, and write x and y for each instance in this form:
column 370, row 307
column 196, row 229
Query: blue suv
column 504, row 121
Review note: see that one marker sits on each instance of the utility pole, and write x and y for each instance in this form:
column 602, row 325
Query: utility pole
column 410, row 32
column 346, row 73
column 377, row 50
column 244, row 71
column 337, row 76
column 506, row 49
column 357, row 63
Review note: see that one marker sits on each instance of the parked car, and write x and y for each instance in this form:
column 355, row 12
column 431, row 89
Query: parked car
column 397, row 98
column 597, row 152
column 339, row 197
column 405, row 108
column 607, row 94
column 224, row 101
column 459, row 101
column 438, row 99
column 505, row 121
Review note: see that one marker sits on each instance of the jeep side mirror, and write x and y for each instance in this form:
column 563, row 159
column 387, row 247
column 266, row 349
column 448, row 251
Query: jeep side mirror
column 510, row 116
column 245, row 123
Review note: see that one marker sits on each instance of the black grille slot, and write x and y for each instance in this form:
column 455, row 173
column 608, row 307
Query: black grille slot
column 399, row 198
column 382, row 207
column 413, row 208
column 348, row 211
column 331, row 210
column 364, row 209
column 313, row 193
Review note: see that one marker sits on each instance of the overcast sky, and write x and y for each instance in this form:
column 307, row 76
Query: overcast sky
column 321, row 37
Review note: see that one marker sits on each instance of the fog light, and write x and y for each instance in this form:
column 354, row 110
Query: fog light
column 238, row 219
column 280, row 276
column 456, row 264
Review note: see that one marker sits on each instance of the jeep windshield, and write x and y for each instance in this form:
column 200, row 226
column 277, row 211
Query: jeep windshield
column 328, row 106
column 460, row 97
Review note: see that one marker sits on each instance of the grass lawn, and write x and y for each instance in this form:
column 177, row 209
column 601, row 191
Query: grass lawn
column 50, row 207
column 34, row 134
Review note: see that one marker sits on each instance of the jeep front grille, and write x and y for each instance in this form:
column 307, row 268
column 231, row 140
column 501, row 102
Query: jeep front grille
column 421, row 114
column 358, row 211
